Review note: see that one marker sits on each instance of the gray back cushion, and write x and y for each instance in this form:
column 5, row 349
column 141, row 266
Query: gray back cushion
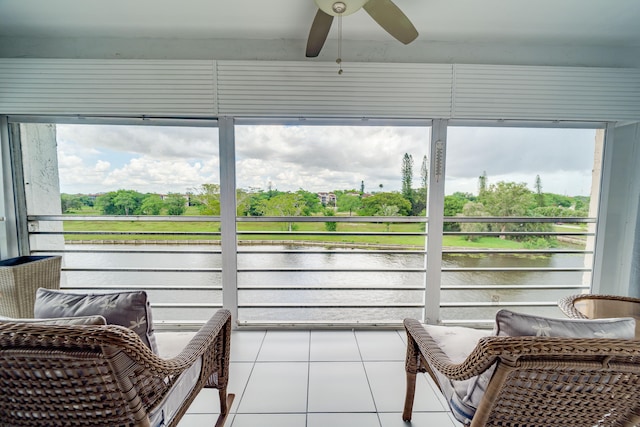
column 128, row 309
column 511, row 324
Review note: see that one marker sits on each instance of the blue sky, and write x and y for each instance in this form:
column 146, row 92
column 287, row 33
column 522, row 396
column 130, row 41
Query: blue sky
column 98, row 158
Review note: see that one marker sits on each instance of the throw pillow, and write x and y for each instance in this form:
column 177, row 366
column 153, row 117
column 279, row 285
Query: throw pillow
column 128, row 309
column 511, row 324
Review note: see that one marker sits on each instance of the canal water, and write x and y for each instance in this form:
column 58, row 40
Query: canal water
column 193, row 280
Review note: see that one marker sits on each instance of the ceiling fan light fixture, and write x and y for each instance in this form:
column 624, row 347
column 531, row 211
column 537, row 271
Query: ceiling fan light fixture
column 333, row 7
column 339, row 7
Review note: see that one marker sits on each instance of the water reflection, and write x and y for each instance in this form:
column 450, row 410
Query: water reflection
column 300, row 287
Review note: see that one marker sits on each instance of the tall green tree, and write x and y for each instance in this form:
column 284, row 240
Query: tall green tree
column 243, row 202
column 312, row 202
column 372, row 205
column 70, row 202
column 424, row 173
column 86, row 200
column 581, row 203
column 285, row 204
column 453, row 206
column 419, row 195
column 121, row 202
column 151, row 205
column 348, row 202
column 208, row 196
column 255, row 202
column 331, row 225
column 175, row 204
column 506, row 199
column 129, row 201
column 474, row 209
column 552, row 199
column 407, row 176
column 482, row 183
column 539, row 194
column 387, row 210
column 454, row 203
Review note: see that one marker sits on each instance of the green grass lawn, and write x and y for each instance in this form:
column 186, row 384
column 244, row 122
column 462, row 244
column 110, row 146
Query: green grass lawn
column 194, row 230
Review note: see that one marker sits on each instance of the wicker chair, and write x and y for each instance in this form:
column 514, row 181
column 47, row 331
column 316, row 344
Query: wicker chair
column 106, row 376
column 593, row 306
column 539, row 381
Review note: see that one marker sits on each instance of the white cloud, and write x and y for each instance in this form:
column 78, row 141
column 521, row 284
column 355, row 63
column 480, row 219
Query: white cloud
column 103, row 158
column 325, row 158
column 102, row 166
column 317, row 158
column 146, row 174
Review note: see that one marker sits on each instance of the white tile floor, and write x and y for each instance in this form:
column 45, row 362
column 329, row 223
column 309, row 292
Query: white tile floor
column 315, row 379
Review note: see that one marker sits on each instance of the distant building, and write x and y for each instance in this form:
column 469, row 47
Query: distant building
column 327, row 198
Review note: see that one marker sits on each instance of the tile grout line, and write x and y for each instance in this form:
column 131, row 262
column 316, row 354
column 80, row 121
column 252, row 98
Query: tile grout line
column 431, row 384
column 366, row 375
column 244, row 389
column 306, row 415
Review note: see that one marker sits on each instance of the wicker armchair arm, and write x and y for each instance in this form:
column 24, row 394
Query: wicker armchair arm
column 84, row 337
column 476, row 363
column 202, row 343
column 203, row 339
column 567, row 306
column 512, row 349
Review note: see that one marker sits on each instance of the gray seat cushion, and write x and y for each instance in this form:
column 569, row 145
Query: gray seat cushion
column 457, row 343
column 163, row 414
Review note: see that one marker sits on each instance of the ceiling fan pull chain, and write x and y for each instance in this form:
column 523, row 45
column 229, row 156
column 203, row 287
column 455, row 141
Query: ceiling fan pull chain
column 339, row 60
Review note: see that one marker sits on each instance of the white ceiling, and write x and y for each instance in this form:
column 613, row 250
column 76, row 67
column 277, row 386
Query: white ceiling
column 286, row 23
column 609, row 22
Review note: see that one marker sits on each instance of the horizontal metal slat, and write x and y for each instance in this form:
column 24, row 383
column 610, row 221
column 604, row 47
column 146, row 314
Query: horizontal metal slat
column 121, row 87
column 552, row 93
column 297, row 88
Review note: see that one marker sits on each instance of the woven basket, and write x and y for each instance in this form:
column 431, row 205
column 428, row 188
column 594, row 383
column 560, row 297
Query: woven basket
column 20, row 278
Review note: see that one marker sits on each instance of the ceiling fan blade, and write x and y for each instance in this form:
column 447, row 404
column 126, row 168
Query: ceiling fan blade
column 318, row 33
column 391, row 18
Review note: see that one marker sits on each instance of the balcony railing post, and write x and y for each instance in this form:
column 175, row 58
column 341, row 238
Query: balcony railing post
column 229, row 243
column 435, row 212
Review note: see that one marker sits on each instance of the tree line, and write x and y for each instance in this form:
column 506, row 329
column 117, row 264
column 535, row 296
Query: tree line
column 502, row 199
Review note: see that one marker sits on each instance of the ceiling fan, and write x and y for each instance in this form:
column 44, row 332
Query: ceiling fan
column 384, row 12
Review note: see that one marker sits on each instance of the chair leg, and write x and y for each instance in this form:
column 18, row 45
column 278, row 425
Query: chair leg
column 412, row 363
column 408, row 401
column 226, row 400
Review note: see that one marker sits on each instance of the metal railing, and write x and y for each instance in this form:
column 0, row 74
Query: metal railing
column 311, row 277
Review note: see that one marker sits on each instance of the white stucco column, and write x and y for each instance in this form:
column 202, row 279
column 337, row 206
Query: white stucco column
column 41, row 182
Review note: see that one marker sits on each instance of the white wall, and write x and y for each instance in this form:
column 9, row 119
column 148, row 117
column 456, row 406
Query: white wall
column 42, row 184
column 293, row 50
